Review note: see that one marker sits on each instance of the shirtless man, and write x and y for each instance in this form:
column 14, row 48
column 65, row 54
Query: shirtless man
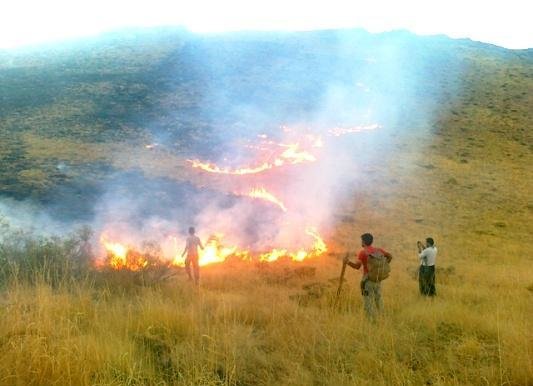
column 191, row 249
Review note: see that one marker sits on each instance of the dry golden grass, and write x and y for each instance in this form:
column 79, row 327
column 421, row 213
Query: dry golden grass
column 253, row 325
column 271, row 325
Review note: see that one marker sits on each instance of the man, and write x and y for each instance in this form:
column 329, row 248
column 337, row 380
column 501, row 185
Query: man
column 426, row 273
column 191, row 249
column 371, row 290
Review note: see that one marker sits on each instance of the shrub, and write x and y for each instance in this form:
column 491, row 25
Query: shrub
column 25, row 257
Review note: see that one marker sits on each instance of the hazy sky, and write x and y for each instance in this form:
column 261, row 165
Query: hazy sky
column 505, row 23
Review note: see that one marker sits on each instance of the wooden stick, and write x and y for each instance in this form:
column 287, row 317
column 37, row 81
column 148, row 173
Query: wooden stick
column 341, row 279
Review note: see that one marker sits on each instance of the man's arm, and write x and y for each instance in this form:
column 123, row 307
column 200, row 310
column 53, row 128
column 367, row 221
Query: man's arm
column 423, row 255
column 388, row 256
column 355, row 265
column 185, row 249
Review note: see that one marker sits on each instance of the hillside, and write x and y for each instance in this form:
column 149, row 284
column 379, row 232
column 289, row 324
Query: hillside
column 103, row 129
column 181, row 89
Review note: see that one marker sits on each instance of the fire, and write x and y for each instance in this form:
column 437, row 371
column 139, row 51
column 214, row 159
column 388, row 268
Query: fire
column 319, row 247
column 121, row 257
column 280, row 154
column 287, row 154
column 213, row 252
column 266, row 155
column 293, row 155
column 212, row 168
column 263, row 194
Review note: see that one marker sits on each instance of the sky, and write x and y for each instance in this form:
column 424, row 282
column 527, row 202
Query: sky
column 504, row 23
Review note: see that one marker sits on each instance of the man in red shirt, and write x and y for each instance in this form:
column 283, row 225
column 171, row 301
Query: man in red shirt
column 370, row 290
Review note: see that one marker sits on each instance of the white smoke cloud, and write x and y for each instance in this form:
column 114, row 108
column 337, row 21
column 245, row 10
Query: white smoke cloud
column 368, row 86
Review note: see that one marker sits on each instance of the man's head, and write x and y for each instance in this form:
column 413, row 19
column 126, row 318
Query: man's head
column 191, row 231
column 367, row 239
column 430, row 242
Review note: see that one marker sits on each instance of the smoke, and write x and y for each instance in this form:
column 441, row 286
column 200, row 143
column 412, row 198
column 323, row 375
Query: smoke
column 242, row 93
column 30, row 218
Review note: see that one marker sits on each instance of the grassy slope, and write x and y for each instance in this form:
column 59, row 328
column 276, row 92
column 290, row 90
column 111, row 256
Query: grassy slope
column 465, row 180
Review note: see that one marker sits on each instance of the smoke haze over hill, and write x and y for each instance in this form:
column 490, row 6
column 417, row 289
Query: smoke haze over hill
column 106, row 135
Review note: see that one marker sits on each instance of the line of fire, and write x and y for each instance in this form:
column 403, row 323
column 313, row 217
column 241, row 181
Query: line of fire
column 257, row 182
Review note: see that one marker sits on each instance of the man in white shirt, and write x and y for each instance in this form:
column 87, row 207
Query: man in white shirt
column 426, row 274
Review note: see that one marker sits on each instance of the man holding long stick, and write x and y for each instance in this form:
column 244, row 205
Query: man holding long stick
column 375, row 263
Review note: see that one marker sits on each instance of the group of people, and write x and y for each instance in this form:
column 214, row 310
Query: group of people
column 371, row 289
column 370, row 284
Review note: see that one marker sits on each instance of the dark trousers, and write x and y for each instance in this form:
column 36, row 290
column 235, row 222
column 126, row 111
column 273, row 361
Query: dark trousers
column 426, row 280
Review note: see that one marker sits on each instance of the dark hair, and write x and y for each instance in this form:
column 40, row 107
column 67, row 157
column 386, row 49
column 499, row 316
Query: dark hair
column 430, row 241
column 367, row 238
column 191, row 230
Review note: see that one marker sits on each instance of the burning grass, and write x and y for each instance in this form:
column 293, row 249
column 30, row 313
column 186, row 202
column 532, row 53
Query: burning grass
column 268, row 154
column 121, row 256
column 272, row 155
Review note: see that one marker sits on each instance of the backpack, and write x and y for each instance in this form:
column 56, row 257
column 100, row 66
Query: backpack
column 378, row 266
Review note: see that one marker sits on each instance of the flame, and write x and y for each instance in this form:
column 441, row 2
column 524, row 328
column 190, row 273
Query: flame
column 263, row 194
column 319, row 247
column 122, row 257
column 212, row 168
column 267, row 155
column 294, row 155
column 213, row 252
column 291, row 155
column 273, row 255
column 115, row 251
column 279, row 153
